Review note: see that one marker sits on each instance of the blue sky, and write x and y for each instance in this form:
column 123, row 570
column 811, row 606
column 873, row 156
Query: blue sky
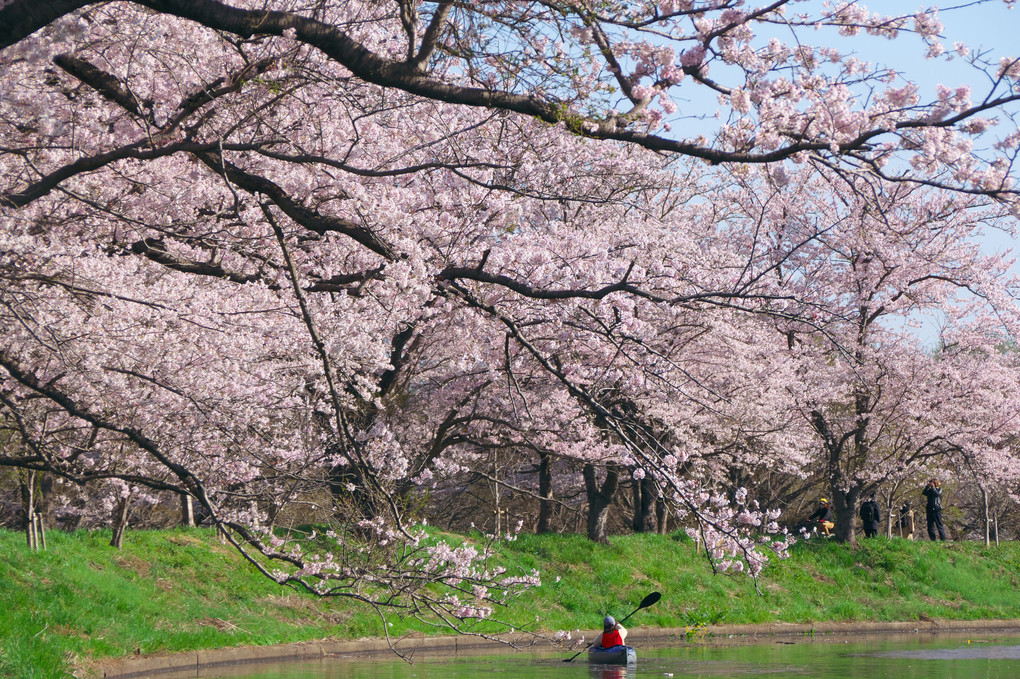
column 991, row 26
column 988, row 27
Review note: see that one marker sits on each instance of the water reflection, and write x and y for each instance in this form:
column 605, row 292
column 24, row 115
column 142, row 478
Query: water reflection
column 917, row 657
column 612, row 671
column 969, row 652
column 922, row 657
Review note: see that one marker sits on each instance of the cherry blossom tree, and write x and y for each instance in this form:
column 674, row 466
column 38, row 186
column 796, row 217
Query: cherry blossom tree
column 875, row 256
column 255, row 250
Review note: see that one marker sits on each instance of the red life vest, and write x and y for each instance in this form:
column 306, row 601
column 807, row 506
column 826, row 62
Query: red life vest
column 610, row 639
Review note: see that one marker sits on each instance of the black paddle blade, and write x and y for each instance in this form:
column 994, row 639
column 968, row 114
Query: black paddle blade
column 645, row 603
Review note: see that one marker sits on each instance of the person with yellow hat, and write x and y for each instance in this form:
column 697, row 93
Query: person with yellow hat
column 823, row 516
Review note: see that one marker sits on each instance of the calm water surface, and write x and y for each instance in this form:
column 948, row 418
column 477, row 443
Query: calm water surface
column 921, row 657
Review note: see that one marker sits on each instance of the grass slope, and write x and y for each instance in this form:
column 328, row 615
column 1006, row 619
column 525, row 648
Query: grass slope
column 183, row 590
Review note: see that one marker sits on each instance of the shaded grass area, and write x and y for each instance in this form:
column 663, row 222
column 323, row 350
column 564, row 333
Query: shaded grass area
column 183, row 590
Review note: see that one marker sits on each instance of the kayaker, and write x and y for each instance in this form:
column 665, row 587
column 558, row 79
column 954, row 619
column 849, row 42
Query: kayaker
column 613, row 634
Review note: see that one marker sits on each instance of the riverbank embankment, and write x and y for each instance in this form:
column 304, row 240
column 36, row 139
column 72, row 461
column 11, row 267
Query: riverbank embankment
column 81, row 603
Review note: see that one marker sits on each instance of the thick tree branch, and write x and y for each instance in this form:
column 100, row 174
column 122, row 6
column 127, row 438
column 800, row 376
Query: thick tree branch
column 110, row 87
column 309, row 219
column 140, row 150
column 373, row 68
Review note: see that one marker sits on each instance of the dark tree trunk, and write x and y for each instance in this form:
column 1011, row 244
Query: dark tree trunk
column 661, row 516
column 844, row 506
column 599, row 500
column 545, row 504
column 844, row 502
column 45, row 494
column 636, row 521
column 645, row 495
column 349, row 489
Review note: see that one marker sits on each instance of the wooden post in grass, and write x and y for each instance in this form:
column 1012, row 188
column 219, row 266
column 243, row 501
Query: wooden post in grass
column 40, row 532
column 988, row 521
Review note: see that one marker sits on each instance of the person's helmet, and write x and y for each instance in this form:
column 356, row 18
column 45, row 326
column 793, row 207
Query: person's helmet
column 609, row 622
column 824, row 501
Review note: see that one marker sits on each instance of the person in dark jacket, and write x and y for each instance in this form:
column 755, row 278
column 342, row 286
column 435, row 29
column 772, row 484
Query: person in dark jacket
column 822, row 516
column 870, row 516
column 933, row 509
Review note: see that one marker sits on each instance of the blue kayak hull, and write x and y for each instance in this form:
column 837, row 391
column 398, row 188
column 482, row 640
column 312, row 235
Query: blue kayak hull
column 614, row 655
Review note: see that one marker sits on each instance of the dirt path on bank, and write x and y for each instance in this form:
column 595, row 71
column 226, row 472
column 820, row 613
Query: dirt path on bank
column 192, row 663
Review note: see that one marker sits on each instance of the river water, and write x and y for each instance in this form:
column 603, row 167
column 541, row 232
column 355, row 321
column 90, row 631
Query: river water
column 924, row 656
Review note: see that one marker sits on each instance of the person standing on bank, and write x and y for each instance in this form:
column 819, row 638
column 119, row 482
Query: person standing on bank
column 933, row 493
column 906, row 521
column 870, row 516
column 613, row 634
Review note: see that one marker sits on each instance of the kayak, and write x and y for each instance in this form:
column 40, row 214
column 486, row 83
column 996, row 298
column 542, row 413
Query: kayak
column 614, row 655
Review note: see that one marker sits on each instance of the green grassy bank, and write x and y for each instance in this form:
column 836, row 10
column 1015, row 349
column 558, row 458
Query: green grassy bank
column 182, row 590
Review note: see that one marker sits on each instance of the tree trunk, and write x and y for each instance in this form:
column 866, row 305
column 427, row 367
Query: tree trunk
column 599, row 500
column 545, row 505
column 351, row 495
column 187, row 511
column 844, row 503
column 43, row 494
column 845, row 508
column 661, row 516
column 645, row 495
column 120, row 521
